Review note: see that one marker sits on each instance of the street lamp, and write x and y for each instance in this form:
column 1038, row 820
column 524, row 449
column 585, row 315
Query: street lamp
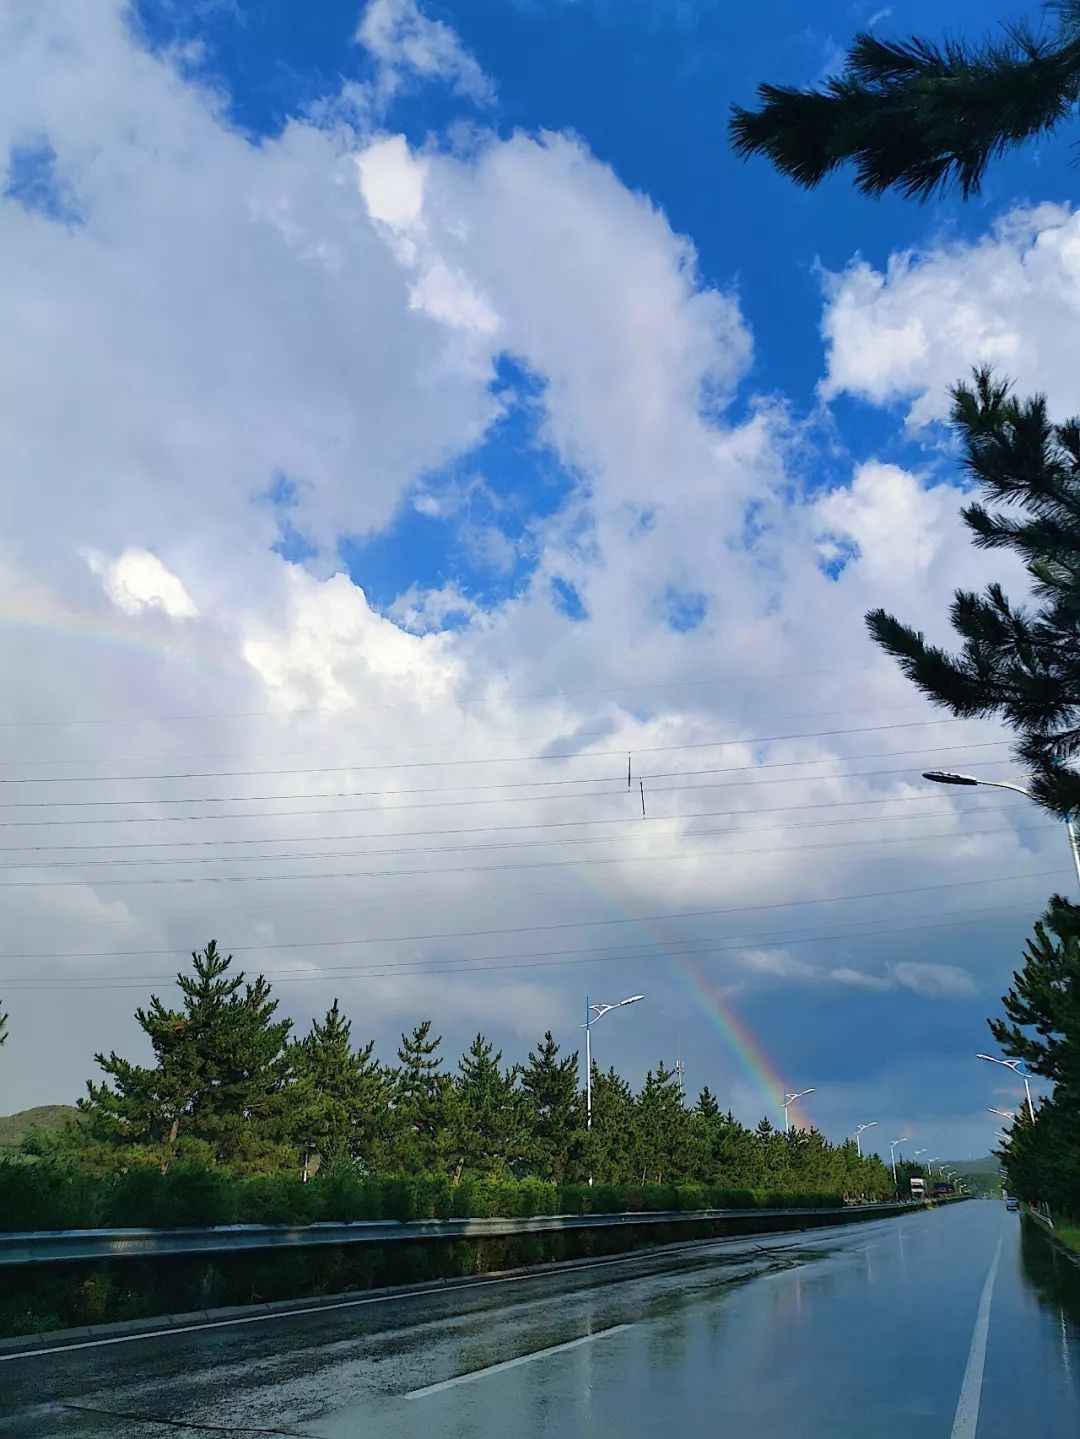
column 917, row 1153
column 594, row 1012
column 892, row 1153
column 1001, row 1113
column 790, row 1099
column 940, row 776
column 858, row 1132
column 1014, row 1065
column 934, row 1159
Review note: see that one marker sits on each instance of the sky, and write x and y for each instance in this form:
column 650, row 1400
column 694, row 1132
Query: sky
column 417, row 407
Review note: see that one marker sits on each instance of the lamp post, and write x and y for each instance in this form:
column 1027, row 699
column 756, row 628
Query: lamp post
column 1001, row 1113
column 1014, row 1065
column 858, row 1134
column 917, row 1153
column 892, row 1153
column 934, row 1159
column 594, row 1012
column 790, row 1099
column 940, row 776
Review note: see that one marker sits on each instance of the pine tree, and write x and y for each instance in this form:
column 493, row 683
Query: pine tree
column 553, row 1109
column 425, row 1135
column 706, row 1105
column 219, row 1088
column 1042, row 1024
column 344, row 1096
column 605, row 1153
column 493, row 1135
column 660, row 1132
column 918, row 117
column 1020, row 664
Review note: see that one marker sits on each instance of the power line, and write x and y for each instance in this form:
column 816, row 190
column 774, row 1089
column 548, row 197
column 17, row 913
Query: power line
column 501, row 785
column 565, row 924
column 531, row 844
column 604, row 953
column 619, row 791
column 528, row 844
column 412, row 873
column 385, row 969
column 503, row 759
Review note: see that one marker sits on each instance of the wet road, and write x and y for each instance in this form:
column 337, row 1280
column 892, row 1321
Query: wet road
column 901, row 1327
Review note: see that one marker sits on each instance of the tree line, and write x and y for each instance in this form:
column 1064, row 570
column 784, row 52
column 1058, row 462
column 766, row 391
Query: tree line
column 921, row 118
column 231, row 1087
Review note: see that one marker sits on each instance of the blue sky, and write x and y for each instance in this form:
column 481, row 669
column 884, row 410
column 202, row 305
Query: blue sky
column 421, row 400
column 647, row 85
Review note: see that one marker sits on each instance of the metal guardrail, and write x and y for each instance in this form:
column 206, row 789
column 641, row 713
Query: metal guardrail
column 68, row 1245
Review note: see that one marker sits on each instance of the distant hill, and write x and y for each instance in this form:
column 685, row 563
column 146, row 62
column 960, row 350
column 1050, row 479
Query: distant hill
column 47, row 1116
column 980, row 1175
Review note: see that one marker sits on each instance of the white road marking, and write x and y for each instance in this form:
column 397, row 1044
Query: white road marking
column 242, row 1319
column 966, row 1420
column 513, row 1363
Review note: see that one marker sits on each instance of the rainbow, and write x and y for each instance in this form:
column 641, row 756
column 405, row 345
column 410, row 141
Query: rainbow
column 38, row 610
column 709, row 997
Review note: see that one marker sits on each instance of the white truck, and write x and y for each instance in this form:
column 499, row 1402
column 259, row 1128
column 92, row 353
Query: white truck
column 918, row 1188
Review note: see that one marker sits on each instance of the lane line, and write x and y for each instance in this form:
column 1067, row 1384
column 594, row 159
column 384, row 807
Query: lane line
column 243, row 1319
column 514, row 1363
column 966, row 1420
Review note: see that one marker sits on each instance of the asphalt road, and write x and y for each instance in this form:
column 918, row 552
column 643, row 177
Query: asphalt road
column 956, row 1324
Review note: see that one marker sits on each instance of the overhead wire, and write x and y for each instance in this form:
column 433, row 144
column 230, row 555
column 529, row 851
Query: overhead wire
column 651, row 823
column 468, row 849
column 661, row 917
column 548, row 784
column 508, row 963
column 542, row 757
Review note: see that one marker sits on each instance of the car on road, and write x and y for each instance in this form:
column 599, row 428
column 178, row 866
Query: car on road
column 1011, row 1203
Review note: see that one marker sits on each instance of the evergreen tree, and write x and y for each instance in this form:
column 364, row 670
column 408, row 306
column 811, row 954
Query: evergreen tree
column 660, row 1132
column 343, row 1098
column 1042, row 1024
column 706, row 1105
column 606, row 1152
column 425, row 1134
column 219, row 1087
column 553, row 1107
column 493, row 1135
column 1020, row 664
column 919, row 117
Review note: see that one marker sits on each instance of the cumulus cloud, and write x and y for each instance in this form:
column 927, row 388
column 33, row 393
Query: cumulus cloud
column 1011, row 299
column 400, row 801
column 137, row 581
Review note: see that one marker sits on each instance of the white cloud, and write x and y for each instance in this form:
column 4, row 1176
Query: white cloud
column 407, row 42
column 1011, row 299
column 327, row 308
column 137, row 580
column 934, row 981
column 844, row 974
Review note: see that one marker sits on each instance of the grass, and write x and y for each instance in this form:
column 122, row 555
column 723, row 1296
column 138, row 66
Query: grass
column 1069, row 1235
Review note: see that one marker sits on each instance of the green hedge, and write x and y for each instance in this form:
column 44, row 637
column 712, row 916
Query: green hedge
column 43, row 1196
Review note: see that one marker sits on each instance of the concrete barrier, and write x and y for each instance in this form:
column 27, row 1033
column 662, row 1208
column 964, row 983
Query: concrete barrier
column 71, row 1245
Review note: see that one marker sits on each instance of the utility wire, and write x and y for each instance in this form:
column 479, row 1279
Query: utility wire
column 414, row 968
column 504, row 759
column 570, row 924
column 547, row 784
column 686, row 818
column 955, row 836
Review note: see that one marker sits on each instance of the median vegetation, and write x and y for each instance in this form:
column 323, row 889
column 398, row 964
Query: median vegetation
column 238, row 1119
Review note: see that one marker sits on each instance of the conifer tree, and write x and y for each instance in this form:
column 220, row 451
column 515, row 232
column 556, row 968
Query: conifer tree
column 553, row 1107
